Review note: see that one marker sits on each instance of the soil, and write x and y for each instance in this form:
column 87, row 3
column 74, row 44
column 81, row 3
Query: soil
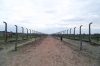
column 49, row 52
column 9, row 46
column 87, row 48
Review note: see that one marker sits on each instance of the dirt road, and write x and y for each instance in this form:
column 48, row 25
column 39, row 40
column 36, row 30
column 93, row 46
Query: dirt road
column 49, row 52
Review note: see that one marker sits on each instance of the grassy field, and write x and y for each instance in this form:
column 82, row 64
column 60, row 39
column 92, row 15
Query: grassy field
column 92, row 38
column 7, row 38
column 1, row 38
column 95, row 39
column 19, row 38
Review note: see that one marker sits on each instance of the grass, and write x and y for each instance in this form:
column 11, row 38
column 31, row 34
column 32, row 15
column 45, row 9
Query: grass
column 19, row 38
column 95, row 39
column 28, row 37
column 19, row 47
column 92, row 38
column 13, row 52
column 7, row 38
column 1, row 38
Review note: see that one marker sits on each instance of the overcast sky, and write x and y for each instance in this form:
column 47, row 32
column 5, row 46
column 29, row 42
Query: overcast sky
column 50, row 16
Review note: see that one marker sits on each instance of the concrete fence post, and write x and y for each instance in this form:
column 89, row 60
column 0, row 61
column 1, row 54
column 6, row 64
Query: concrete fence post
column 27, row 33
column 5, row 34
column 80, row 39
column 74, row 33
column 16, row 38
column 70, row 33
column 90, row 32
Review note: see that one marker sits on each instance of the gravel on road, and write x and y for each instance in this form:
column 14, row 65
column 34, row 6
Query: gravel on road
column 49, row 52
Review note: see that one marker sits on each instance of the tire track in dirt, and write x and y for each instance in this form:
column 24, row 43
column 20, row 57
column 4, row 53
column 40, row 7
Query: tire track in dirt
column 49, row 52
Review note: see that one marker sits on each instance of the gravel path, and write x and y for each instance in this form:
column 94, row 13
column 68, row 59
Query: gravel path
column 93, row 51
column 49, row 52
column 9, row 47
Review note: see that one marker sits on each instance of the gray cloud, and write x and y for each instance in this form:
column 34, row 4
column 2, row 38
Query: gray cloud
column 73, row 20
column 32, row 12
